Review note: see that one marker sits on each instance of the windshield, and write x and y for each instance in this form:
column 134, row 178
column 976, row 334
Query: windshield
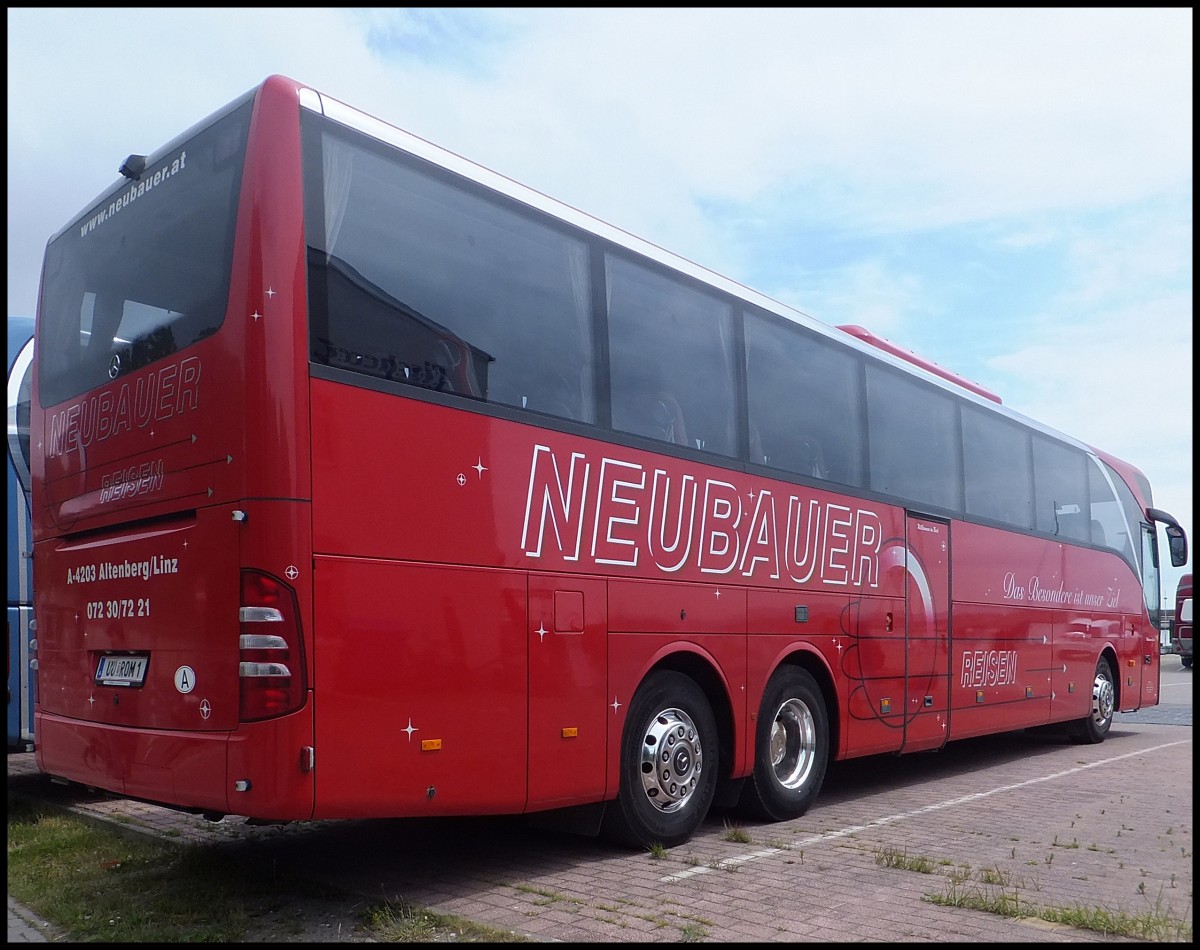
column 145, row 272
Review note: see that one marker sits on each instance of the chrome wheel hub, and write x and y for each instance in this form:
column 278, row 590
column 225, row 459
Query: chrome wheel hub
column 793, row 744
column 1103, row 699
column 671, row 760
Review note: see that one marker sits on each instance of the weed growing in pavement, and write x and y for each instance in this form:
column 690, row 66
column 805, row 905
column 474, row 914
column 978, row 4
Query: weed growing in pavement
column 1156, row 924
column 401, row 922
column 995, row 892
column 736, row 833
column 891, row 858
column 548, row 897
column 995, row 876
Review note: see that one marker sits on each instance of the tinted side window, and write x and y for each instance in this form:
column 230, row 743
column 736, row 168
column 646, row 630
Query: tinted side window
column 997, row 471
column 419, row 281
column 671, row 348
column 1060, row 490
column 804, row 402
column 912, row 432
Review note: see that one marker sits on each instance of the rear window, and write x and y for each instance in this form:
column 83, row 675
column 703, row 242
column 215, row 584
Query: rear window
column 144, row 273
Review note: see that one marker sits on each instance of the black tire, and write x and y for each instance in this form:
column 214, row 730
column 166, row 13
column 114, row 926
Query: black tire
column 1093, row 728
column 791, row 747
column 669, row 759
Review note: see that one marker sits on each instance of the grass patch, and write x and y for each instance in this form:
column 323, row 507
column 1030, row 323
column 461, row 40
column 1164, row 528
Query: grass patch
column 95, row 884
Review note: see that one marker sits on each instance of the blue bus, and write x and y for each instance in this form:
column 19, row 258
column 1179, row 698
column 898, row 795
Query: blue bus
column 20, row 541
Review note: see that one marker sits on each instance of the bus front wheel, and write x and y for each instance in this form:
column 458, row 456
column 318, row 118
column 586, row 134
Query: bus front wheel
column 791, row 747
column 1094, row 727
column 668, row 764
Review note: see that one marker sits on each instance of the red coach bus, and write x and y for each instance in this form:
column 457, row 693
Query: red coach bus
column 1181, row 629
column 368, row 482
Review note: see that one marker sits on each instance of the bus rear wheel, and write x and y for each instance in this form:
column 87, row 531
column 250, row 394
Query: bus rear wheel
column 668, row 764
column 791, row 747
column 1093, row 727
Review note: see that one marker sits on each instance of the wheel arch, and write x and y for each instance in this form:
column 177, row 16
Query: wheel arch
column 704, row 671
column 814, row 664
column 1109, row 653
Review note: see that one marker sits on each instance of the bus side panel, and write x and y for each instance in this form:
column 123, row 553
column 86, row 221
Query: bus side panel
column 710, row 616
column 421, row 689
column 1079, row 637
column 1106, row 608
column 1030, row 620
column 874, row 662
column 397, row 478
column 1137, row 663
column 786, row 624
column 1000, row 677
column 567, row 635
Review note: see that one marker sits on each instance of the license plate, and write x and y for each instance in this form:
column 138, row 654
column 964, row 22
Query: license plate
column 122, row 670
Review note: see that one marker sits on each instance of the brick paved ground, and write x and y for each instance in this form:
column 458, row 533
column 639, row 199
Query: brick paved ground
column 1105, row 828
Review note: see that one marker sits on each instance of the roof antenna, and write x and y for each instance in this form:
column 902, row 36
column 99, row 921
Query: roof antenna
column 133, row 167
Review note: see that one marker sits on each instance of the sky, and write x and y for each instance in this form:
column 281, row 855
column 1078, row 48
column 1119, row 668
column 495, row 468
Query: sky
column 1007, row 192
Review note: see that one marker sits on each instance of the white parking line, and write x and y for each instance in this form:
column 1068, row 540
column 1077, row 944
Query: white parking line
column 892, row 819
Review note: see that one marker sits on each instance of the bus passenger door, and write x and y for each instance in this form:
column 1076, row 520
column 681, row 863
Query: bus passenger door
column 927, row 633
column 568, row 669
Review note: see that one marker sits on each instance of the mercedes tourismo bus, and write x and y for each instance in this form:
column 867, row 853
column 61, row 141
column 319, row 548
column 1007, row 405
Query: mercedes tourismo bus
column 368, row 482
column 20, row 537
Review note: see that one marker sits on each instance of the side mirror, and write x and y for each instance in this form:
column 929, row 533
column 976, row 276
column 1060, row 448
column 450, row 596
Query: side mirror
column 1177, row 543
column 1176, row 539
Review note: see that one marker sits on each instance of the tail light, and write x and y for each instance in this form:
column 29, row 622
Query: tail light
column 271, row 651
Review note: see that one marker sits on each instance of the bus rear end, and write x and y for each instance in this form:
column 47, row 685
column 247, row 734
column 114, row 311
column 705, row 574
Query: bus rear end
column 170, row 509
column 1181, row 629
